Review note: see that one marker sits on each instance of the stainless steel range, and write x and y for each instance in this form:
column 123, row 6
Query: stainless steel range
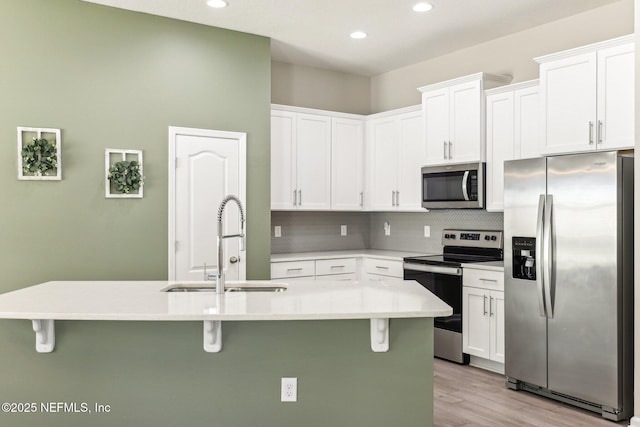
column 442, row 275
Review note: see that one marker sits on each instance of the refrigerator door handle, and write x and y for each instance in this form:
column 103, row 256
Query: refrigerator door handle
column 548, row 256
column 465, row 178
column 539, row 254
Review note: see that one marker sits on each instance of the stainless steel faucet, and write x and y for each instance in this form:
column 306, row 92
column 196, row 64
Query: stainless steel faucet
column 220, row 274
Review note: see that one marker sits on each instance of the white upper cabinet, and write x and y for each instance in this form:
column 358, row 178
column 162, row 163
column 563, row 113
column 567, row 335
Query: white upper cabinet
column 316, row 159
column 395, row 153
column 300, row 161
column 347, row 164
column 454, row 118
column 512, row 133
column 587, row 97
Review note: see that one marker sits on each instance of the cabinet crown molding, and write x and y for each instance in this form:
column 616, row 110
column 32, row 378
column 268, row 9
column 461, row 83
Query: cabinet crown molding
column 512, row 87
column 493, row 80
column 585, row 49
column 304, row 110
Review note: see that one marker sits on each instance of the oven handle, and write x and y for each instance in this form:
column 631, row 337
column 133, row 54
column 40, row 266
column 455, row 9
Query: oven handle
column 452, row 271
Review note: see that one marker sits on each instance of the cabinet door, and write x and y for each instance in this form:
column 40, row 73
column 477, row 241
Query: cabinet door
column 347, row 172
column 475, row 323
column 496, row 314
column 412, row 155
column 527, row 123
column 500, row 145
column 381, row 168
column 616, row 97
column 568, row 100
column 435, row 110
column 283, row 155
column 313, row 161
column 465, row 115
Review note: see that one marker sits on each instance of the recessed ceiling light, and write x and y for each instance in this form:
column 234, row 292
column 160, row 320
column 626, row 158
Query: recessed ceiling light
column 358, row 35
column 422, row 7
column 217, row 3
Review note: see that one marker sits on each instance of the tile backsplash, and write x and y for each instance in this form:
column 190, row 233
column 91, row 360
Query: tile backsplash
column 320, row 231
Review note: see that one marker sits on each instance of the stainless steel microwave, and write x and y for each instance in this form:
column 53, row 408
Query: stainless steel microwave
column 459, row 186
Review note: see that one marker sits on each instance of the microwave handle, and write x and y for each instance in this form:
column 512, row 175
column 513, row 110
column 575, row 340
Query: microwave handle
column 465, row 178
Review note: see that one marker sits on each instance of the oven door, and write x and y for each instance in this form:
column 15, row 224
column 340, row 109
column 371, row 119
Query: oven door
column 444, row 282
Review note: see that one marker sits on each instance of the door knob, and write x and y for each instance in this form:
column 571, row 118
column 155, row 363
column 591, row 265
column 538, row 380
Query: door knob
column 234, row 259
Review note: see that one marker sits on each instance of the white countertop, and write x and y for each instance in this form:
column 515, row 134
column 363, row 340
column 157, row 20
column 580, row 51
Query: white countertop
column 490, row 265
column 145, row 300
column 371, row 253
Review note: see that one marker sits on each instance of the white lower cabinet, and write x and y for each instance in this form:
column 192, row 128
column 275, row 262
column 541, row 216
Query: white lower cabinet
column 341, row 269
column 483, row 315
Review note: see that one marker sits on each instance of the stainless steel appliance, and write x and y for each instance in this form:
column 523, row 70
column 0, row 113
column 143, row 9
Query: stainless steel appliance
column 453, row 186
column 569, row 279
column 442, row 275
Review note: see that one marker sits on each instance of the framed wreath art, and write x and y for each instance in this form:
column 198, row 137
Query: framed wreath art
column 124, row 176
column 39, row 154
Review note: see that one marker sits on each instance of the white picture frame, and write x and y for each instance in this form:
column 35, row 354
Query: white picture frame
column 112, row 155
column 25, row 136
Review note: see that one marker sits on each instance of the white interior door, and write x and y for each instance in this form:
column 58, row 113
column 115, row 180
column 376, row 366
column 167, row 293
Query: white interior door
column 204, row 167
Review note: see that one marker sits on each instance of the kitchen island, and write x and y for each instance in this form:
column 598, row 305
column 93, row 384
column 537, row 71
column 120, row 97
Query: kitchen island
column 146, row 364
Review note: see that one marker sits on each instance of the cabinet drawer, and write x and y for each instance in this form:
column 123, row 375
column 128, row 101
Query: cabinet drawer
column 383, row 267
column 282, row 270
column 485, row 279
column 335, row 266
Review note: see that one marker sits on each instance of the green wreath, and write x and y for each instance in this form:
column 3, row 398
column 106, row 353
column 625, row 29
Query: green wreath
column 39, row 157
column 126, row 176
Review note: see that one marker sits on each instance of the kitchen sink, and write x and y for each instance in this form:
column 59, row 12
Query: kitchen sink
column 231, row 287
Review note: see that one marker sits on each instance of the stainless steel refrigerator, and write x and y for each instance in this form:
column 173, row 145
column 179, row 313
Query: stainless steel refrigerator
column 569, row 279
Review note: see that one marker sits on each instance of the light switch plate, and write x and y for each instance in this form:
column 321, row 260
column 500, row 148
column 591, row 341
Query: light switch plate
column 427, row 231
column 343, row 230
column 277, row 231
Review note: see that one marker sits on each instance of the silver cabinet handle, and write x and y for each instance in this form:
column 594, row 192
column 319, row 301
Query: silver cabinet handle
column 484, row 305
column 361, row 198
column 488, row 280
column 234, row 259
column 490, row 306
column 599, row 132
column 381, row 267
column 294, row 269
column 299, row 197
column 539, row 255
column 590, row 133
column 397, row 198
column 295, row 198
column 337, row 266
column 444, row 145
column 450, row 146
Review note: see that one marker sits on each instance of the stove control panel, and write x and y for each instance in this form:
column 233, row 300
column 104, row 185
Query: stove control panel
column 475, row 238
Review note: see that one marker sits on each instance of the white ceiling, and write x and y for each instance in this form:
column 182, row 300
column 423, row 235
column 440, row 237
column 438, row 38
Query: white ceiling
column 316, row 32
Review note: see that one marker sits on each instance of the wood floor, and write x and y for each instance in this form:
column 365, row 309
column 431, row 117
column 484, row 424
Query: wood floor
column 468, row 396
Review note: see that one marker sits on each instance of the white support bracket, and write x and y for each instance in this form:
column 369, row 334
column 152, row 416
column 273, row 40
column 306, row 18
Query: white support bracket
column 45, row 335
column 380, row 335
column 212, row 332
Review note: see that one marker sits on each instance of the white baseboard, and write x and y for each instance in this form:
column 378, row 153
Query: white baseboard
column 489, row 365
column 634, row 422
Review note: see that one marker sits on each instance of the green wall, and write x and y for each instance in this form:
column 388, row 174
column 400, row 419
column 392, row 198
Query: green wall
column 111, row 78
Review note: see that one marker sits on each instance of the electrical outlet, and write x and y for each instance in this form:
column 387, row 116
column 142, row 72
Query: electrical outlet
column 277, row 231
column 289, row 390
column 427, row 231
column 343, row 230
